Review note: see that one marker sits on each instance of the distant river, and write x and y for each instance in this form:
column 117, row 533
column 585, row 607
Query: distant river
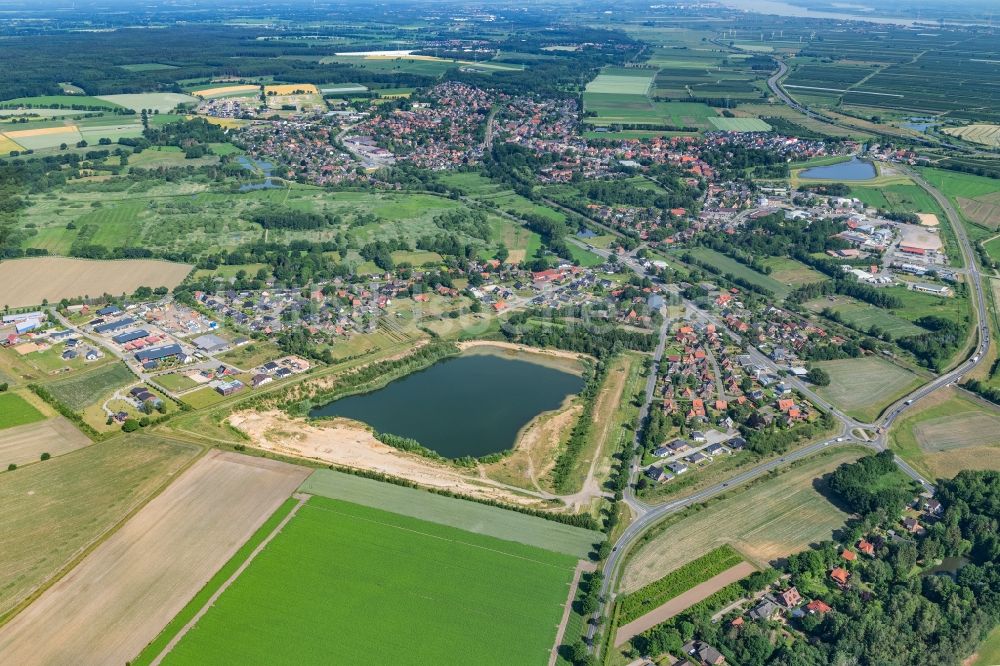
column 473, row 404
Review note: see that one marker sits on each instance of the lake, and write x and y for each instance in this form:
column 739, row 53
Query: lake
column 949, row 567
column 854, row 169
column 474, row 404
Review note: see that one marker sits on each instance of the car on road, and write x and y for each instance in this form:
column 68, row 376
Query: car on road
column 840, row 439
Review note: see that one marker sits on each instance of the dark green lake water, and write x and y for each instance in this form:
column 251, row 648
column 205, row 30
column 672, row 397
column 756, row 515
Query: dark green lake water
column 473, row 404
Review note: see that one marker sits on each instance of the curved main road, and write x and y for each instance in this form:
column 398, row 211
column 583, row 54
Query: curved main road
column 648, row 516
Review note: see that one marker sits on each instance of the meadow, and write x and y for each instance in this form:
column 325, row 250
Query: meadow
column 740, row 124
column 50, row 512
column 774, row 517
column 86, row 388
column 162, row 102
column 725, row 264
column 947, row 432
column 863, row 387
column 407, row 590
column 16, row 411
column 791, row 272
column 863, row 316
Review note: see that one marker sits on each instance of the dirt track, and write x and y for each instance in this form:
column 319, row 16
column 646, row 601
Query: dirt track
column 682, row 602
column 122, row 595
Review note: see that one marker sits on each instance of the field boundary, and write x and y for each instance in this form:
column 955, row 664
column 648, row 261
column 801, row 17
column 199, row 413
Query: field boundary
column 581, row 566
column 302, row 499
column 470, row 516
column 683, row 601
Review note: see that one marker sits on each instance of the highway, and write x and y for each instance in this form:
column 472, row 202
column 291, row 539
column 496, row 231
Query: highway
column 647, row 516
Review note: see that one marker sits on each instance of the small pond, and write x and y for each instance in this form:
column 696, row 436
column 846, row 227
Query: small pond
column 854, row 169
column 949, row 567
column 474, row 404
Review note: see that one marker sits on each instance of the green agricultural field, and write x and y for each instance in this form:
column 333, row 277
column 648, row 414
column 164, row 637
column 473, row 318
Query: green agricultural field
column 15, row 411
column 56, row 101
column 898, row 198
column 86, row 388
column 50, row 511
column 424, row 66
column 863, row 387
column 740, row 124
column 622, row 81
column 407, row 591
column 977, row 198
column 947, row 432
column 147, row 67
column 728, row 265
column 460, row 514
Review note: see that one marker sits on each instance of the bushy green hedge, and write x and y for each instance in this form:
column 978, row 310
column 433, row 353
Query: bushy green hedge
column 676, row 582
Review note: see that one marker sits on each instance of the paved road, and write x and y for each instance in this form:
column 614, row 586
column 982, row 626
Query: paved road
column 647, row 516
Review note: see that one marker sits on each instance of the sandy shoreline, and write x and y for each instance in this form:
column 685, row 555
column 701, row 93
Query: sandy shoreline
column 346, row 443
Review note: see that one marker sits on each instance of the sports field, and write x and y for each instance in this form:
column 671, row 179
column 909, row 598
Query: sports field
column 773, row 518
column 360, row 585
column 122, row 594
column 460, row 514
column 29, row 281
column 51, row 511
column 16, row 411
column 26, row 443
column 863, row 387
column 949, row 431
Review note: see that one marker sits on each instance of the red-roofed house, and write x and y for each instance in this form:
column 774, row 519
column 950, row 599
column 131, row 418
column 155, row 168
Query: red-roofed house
column 840, row 576
column 817, row 606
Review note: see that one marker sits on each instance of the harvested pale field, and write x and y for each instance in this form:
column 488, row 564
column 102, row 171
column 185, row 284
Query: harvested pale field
column 863, row 387
column 958, row 431
column 24, row 444
column 984, row 210
column 948, row 431
column 222, row 91
column 769, row 520
column 349, row 444
column 987, row 135
column 50, row 512
column 928, row 219
column 683, row 601
column 27, row 282
column 7, row 145
column 45, row 137
column 122, row 594
column 163, row 102
column 292, row 89
column 40, row 131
